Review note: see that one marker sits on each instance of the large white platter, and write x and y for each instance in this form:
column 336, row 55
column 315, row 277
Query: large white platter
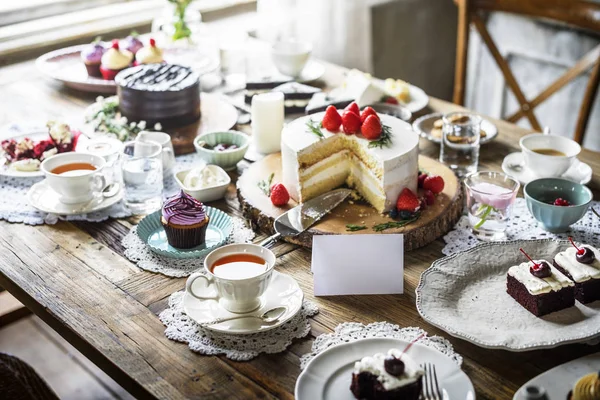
column 465, row 295
column 328, row 375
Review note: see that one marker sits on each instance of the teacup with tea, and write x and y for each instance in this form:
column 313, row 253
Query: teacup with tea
column 236, row 275
column 548, row 155
column 76, row 177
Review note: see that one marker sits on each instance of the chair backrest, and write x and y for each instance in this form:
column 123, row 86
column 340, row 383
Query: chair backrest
column 580, row 14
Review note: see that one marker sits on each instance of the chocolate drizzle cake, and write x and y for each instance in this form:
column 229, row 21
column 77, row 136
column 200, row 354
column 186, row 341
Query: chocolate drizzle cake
column 159, row 93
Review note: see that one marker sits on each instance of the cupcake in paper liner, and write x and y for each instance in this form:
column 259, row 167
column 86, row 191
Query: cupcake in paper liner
column 185, row 221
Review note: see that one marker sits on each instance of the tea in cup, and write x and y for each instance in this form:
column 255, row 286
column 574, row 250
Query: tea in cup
column 236, row 275
column 548, row 156
column 76, row 177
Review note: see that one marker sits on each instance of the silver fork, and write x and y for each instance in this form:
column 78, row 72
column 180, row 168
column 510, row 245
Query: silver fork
column 431, row 388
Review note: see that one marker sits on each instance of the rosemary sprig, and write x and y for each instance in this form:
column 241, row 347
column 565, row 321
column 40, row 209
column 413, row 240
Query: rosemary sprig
column 315, row 128
column 354, row 228
column 394, row 224
column 384, row 140
column 265, row 185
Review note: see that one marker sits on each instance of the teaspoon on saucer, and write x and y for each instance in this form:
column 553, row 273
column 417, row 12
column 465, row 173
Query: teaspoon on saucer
column 111, row 189
column 268, row 316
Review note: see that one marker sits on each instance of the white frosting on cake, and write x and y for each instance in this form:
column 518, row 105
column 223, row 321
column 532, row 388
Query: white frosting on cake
column 535, row 285
column 393, row 167
column 375, row 366
column 579, row 272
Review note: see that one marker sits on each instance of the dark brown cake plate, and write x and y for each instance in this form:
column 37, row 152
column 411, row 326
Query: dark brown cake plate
column 434, row 222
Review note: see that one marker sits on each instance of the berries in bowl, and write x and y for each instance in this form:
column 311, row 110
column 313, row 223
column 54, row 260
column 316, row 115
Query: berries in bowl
column 557, row 203
column 224, row 149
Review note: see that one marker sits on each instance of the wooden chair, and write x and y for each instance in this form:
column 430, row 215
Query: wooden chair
column 581, row 14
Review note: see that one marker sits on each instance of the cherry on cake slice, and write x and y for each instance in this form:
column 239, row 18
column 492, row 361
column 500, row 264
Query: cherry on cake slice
column 539, row 287
column 581, row 265
column 387, row 377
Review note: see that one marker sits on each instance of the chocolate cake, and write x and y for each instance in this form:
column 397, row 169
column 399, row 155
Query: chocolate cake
column 387, row 377
column 542, row 289
column 262, row 84
column 296, row 96
column 159, row 93
column 582, row 266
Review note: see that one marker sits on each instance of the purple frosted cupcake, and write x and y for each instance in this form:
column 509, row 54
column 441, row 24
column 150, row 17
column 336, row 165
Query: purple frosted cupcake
column 92, row 56
column 185, row 221
column 132, row 43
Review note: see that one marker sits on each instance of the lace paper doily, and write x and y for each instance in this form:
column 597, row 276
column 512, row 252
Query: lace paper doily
column 522, row 226
column 137, row 251
column 181, row 328
column 351, row 331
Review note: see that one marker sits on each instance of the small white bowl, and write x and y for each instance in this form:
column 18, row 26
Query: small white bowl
column 207, row 194
column 290, row 57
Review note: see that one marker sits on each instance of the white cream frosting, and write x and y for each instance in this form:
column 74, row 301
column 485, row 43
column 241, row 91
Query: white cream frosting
column 375, row 366
column 26, row 165
column 149, row 55
column 116, row 59
column 60, row 132
column 202, row 178
column 579, row 272
column 535, row 285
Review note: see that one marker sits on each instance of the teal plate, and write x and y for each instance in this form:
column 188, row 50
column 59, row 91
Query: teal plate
column 151, row 231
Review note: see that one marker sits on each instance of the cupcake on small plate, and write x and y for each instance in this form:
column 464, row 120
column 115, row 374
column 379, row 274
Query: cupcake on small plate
column 91, row 56
column 115, row 60
column 185, row 221
column 150, row 54
column 132, row 43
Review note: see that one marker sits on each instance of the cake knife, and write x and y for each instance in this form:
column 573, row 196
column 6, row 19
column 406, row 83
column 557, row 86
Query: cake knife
column 303, row 216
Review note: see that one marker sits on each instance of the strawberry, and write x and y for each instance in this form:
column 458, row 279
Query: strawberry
column 371, row 128
column 332, row 119
column 434, row 183
column 429, row 197
column 279, row 195
column 350, row 122
column 421, row 179
column 408, row 201
column 366, row 112
column 353, row 107
column 391, row 100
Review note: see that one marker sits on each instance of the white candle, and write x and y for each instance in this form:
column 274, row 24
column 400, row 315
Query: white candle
column 267, row 121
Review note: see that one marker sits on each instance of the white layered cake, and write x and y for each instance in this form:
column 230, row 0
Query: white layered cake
column 314, row 164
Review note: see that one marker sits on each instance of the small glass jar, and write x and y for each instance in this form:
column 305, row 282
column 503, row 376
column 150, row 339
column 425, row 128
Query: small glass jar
column 459, row 148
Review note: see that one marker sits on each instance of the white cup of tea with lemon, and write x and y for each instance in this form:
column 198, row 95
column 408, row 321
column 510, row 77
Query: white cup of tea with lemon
column 548, row 156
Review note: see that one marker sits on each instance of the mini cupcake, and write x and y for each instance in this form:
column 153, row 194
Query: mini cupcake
column 185, row 221
column 92, row 56
column 114, row 60
column 150, row 54
column 132, row 43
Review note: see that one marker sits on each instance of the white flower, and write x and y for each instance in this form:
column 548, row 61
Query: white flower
column 99, row 99
column 142, row 124
column 157, row 126
column 123, row 120
column 132, row 125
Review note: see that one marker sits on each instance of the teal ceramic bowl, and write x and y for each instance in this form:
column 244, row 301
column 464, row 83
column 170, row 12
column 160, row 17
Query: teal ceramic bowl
column 226, row 159
column 540, row 193
column 151, row 231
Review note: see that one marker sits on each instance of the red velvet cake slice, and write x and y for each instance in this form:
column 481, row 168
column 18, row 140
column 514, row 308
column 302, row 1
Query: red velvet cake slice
column 394, row 376
column 540, row 287
column 582, row 266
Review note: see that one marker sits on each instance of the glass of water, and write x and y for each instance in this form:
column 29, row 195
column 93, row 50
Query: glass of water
column 141, row 164
column 460, row 142
column 490, row 198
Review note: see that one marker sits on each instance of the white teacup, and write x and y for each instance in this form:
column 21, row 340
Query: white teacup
column 548, row 166
column 290, row 57
column 236, row 295
column 77, row 185
column 164, row 139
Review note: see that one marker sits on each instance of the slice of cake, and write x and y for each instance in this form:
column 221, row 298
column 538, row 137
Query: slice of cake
column 540, row 287
column 296, row 96
column 262, row 84
column 582, row 266
column 391, row 376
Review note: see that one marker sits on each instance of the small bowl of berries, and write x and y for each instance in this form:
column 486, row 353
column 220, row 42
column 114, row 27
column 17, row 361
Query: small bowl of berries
column 557, row 203
column 224, row 149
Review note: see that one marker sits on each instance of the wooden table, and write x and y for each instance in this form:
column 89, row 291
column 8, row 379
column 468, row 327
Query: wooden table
column 74, row 276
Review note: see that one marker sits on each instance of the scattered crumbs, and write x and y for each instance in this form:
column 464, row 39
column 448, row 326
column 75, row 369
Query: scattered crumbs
column 350, row 201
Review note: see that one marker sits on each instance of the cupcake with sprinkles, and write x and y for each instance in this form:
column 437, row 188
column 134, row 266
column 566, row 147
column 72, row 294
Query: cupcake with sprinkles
column 185, row 221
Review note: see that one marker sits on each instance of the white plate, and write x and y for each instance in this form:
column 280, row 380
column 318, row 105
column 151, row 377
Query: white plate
column 579, row 172
column 418, row 98
column 42, row 197
column 559, row 380
column 282, row 291
column 424, row 125
column 465, row 295
column 329, row 374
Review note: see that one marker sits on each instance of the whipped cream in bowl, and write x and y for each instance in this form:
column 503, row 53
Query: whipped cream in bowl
column 204, row 183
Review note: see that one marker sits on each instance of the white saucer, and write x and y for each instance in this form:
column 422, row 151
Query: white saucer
column 42, row 197
column 579, row 172
column 282, row 291
column 328, row 375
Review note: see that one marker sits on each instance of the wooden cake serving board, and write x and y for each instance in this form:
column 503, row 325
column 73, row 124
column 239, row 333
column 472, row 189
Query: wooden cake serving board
column 434, row 221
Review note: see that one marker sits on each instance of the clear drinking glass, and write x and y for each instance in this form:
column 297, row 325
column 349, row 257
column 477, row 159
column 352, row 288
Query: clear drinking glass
column 460, row 142
column 141, row 164
column 490, row 197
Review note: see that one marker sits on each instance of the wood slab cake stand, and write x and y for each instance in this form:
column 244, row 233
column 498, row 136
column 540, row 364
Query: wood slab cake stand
column 434, row 222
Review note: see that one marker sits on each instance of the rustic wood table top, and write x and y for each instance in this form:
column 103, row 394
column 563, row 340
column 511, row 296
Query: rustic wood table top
column 75, row 277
